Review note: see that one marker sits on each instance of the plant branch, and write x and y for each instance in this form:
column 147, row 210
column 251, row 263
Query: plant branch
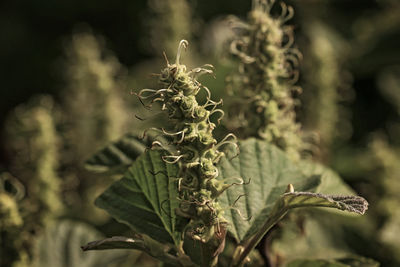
column 121, row 242
column 292, row 200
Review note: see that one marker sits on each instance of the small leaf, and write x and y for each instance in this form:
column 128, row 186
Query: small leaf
column 115, row 242
column 119, row 155
column 146, row 198
column 354, row 204
column 268, row 171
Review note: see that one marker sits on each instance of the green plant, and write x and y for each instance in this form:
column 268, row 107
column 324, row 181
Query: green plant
column 93, row 114
column 186, row 193
column 36, row 134
column 265, row 82
column 93, row 106
column 32, row 138
column 187, row 196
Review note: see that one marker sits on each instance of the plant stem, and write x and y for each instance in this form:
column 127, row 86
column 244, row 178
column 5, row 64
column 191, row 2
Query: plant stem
column 207, row 257
column 240, row 256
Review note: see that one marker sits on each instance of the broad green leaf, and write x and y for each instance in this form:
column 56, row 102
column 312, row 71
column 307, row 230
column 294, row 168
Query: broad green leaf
column 117, row 156
column 146, row 198
column 268, row 171
column 157, row 250
column 60, row 245
column 331, row 183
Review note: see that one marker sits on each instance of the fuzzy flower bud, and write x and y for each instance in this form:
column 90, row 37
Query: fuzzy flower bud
column 196, row 150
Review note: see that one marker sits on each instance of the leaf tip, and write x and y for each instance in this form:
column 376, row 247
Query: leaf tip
column 355, row 204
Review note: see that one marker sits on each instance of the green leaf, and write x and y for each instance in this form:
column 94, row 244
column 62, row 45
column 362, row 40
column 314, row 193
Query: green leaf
column 151, row 247
column 269, row 171
column 331, row 183
column 297, row 200
column 292, row 200
column 60, row 245
column 146, row 198
column 119, row 155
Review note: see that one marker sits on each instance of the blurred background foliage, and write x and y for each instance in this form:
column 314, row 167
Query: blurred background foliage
column 68, row 68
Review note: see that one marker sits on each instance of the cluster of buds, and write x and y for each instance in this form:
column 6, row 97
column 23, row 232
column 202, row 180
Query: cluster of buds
column 193, row 147
column 267, row 74
column 32, row 135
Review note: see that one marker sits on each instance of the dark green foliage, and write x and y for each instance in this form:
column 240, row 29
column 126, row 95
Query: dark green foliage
column 119, row 155
column 146, row 194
